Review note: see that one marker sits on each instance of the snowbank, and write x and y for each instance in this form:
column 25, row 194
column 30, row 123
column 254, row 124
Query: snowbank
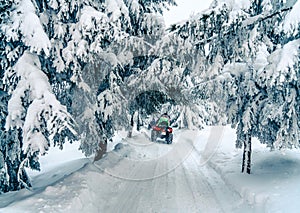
column 199, row 172
column 274, row 183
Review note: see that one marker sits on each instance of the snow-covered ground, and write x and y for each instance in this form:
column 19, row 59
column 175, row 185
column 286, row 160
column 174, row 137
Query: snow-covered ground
column 190, row 175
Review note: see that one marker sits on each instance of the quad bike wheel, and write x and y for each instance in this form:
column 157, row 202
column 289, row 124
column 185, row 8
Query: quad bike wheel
column 169, row 139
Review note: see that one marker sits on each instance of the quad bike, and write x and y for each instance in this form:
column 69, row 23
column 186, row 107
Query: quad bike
column 162, row 132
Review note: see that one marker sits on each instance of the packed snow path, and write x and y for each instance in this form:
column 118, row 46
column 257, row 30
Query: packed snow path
column 141, row 176
column 179, row 180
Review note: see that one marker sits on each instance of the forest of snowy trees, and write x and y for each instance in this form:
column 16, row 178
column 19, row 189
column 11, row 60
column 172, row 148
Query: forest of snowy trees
column 82, row 70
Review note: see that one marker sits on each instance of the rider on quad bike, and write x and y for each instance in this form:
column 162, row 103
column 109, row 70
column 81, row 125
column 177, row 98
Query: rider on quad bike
column 162, row 129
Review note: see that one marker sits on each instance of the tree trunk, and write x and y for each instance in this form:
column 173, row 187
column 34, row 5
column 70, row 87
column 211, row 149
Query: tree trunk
column 138, row 126
column 131, row 128
column 101, row 151
column 246, row 165
column 15, row 182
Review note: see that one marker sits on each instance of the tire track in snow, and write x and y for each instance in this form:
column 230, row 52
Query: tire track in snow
column 163, row 198
column 179, row 181
column 228, row 199
column 118, row 170
column 132, row 192
column 193, row 192
column 146, row 194
column 207, row 200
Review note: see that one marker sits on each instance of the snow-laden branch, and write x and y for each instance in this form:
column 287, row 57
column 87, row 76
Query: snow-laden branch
column 28, row 23
column 42, row 116
column 249, row 21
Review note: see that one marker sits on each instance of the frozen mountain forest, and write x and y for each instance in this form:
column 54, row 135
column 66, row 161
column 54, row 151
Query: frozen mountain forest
column 81, row 72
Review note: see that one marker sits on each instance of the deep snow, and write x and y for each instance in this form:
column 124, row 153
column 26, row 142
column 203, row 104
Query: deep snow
column 189, row 175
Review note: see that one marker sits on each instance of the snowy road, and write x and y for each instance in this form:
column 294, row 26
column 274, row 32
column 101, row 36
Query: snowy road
column 141, row 177
column 172, row 179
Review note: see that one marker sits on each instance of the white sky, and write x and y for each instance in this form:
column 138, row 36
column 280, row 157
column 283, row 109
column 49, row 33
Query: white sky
column 184, row 9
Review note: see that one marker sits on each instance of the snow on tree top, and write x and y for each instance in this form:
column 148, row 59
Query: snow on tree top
column 116, row 8
column 292, row 20
column 31, row 28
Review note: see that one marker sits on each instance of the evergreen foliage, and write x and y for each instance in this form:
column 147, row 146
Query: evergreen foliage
column 249, row 61
column 81, row 70
column 47, row 49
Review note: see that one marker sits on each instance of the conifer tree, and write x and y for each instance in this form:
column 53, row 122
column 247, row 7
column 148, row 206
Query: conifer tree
column 46, row 49
column 242, row 47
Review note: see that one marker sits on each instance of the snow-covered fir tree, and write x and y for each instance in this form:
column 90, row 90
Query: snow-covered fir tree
column 173, row 83
column 193, row 46
column 245, row 66
column 34, row 117
column 266, row 102
column 142, row 27
column 47, row 49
